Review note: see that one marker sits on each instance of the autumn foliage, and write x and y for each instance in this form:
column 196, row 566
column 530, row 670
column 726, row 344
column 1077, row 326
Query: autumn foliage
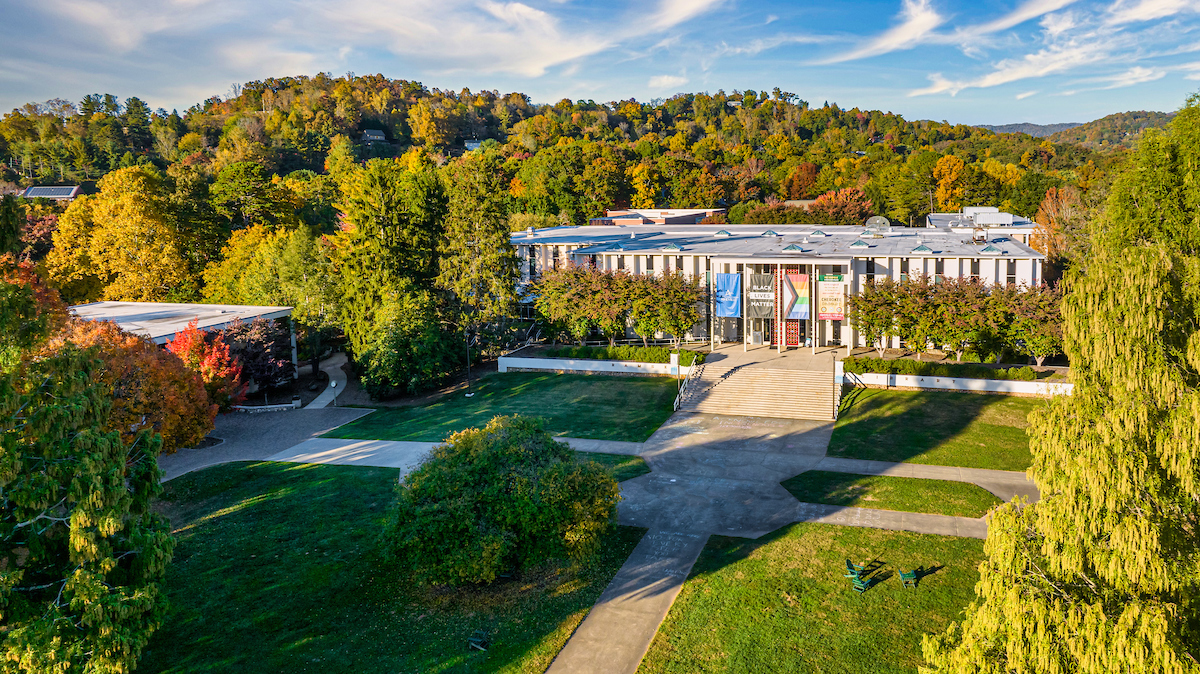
column 151, row 387
column 220, row 371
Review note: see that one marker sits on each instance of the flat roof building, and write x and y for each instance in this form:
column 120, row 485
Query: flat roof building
column 55, row 192
column 851, row 255
column 991, row 221
column 161, row 320
column 656, row 216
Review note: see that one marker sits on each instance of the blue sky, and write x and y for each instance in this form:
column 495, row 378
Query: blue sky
column 983, row 62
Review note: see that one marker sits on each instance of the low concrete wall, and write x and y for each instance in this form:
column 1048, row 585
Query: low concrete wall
column 1043, row 389
column 507, row 363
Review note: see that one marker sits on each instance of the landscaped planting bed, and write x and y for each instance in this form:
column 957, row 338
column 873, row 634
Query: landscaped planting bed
column 935, row 428
column 910, row 494
column 908, row 366
column 572, row 405
column 277, row 570
column 780, row 603
column 638, row 354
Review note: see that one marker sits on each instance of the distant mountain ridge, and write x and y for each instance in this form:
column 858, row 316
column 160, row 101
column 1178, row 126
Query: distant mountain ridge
column 1035, row 130
column 1120, row 130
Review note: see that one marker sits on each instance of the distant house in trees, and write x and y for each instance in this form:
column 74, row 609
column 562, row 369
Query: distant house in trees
column 371, row 136
column 57, row 193
column 472, row 145
column 656, row 216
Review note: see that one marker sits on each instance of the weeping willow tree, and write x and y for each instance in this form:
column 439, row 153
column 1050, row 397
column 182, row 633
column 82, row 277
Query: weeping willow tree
column 1103, row 573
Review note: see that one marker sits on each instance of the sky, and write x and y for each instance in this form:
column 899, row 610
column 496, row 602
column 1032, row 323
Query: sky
column 981, row 62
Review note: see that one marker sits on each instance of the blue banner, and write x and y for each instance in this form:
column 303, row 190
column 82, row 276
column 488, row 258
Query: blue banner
column 727, row 295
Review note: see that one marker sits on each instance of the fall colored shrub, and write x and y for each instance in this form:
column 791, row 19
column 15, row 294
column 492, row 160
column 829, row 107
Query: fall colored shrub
column 151, row 387
column 209, row 355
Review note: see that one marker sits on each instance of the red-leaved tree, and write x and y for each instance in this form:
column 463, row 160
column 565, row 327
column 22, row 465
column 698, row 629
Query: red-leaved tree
column 221, row 372
column 850, row 206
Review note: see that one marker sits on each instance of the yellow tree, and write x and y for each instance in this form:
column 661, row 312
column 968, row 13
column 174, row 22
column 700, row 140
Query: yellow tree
column 69, row 264
column 949, row 172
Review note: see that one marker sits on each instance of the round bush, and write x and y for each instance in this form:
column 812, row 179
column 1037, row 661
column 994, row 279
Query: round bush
column 498, row 498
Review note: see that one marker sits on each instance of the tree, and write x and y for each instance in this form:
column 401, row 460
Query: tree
column 309, row 285
column 873, row 312
column 263, row 348
column 950, row 174
column 433, row 122
column 1102, row 573
column 645, row 297
column 152, row 390
column 478, row 262
column 915, row 316
column 29, row 310
column 210, row 357
column 559, row 294
column 245, row 195
column 801, row 181
column 679, row 308
column 83, row 553
column 69, row 264
column 1037, row 324
column 842, row 207
column 12, row 222
column 410, row 351
column 959, row 313
column 228, row 280
column 506, row 496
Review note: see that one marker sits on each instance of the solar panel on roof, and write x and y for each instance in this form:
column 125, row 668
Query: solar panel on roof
column 49, row 192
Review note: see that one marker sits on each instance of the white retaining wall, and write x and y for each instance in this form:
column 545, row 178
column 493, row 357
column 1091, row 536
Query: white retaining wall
column 1044, row 389
column 589, row 366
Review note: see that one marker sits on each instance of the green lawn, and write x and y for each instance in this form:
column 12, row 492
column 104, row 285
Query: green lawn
column 780, row 604
column 623, row 467
column 276, row 571
column 934, row 427
column 573, row 405
column 910, row 494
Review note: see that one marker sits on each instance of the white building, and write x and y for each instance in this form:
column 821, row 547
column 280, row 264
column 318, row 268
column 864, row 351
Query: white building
column 987, row 221
column 851, row 255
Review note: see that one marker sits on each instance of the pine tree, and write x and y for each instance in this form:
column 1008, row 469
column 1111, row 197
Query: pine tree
column 1103, row 573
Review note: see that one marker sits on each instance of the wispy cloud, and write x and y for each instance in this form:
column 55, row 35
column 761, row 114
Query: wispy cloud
column 1128, row 11
column 918, row 19
column 1025, row 94
column 1135, row 75
column 1054, row 59
column 667, row 81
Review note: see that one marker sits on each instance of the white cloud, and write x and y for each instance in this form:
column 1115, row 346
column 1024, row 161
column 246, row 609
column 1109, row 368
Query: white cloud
column 918, row 19
column 1026, row 94
column 1135, row 75
column 667, row 81
column 1128, row 11
column 674, row 12
column 1052, row 60
column 1031, row 9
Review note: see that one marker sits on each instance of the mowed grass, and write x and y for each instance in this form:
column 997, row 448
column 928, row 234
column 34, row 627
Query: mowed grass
column 277, row 570
column 621, row 466
column 780, row 603
column 910, row 494
column 574, row 405
column 935, row 428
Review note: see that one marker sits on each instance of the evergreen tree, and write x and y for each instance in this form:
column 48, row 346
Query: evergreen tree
column 1103, row 573
column 12, row 221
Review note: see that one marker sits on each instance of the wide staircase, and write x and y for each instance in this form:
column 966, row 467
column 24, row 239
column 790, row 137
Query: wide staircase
column 755, row 391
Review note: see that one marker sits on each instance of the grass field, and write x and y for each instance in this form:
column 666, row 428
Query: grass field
column 936, row 428
column 276, row 571
column 780, row 604
column 573, row 405
column 623, row 467
column 910, row 494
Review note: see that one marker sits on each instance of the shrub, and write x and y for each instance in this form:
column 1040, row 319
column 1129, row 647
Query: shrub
column 639, row 354
column 209, row 355
column 501, row 497
column 923, row 369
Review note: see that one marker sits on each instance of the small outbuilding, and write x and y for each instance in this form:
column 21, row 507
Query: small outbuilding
column 54, row 192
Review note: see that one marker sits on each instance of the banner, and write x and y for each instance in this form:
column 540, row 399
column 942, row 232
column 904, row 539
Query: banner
column 831, row 301
column 795, row 296
column 760, row 296
column 727, row 295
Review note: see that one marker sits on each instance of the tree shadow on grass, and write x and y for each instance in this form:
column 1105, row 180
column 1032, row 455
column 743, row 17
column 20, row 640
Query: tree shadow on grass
column 964, row 429
column 277, row 569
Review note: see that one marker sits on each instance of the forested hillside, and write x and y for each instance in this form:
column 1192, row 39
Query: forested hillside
column 1117, row 131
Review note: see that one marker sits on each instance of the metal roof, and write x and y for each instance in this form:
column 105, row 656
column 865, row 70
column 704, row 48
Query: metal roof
column 51, row 192
column 161, row 320
column 748, row 241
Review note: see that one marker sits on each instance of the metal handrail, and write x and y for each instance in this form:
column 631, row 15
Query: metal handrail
column 694, row 374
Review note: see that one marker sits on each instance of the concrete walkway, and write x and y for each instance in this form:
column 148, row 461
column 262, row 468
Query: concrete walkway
column 922, row 523
column 331, row 366
column 254, row 437
column 618, row 630
column 1005, row 484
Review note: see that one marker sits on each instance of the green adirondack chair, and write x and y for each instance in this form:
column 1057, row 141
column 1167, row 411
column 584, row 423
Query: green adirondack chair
column 909, row 578
column 860, row 584
column 478, row 640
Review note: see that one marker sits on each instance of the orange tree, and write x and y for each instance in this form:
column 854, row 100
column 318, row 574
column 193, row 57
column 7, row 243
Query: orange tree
column 152, row 389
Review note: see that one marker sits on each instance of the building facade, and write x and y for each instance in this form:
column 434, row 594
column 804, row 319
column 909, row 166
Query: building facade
column 798, row 264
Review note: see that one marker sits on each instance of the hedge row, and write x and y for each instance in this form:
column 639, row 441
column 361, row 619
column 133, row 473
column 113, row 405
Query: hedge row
column 924, row 369
column 640, row 354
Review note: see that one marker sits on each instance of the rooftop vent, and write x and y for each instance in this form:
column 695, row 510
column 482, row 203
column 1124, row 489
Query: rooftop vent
column 769, row 232
column 794, row 248
column 877, row 224
column 922, row 249
column 818, row 234
column 860, row 244
column 529, row 231
column 671, row 246
column 990, row 250
column 723, row 234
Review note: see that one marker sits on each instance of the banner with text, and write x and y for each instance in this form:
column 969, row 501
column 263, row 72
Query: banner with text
column 795, row 297
column 727, row 295
column 831, row 301
column 760, row 296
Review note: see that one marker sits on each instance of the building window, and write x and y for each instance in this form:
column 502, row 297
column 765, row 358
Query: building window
column 554, row 257
column 592, row 261
column 532, row 267
column 975, row 268
column 1012, row 272
column 870, row 270
column 903, row 270
column 649, row 263
column 620, row 262
column 939, row 270
column 678, row 263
